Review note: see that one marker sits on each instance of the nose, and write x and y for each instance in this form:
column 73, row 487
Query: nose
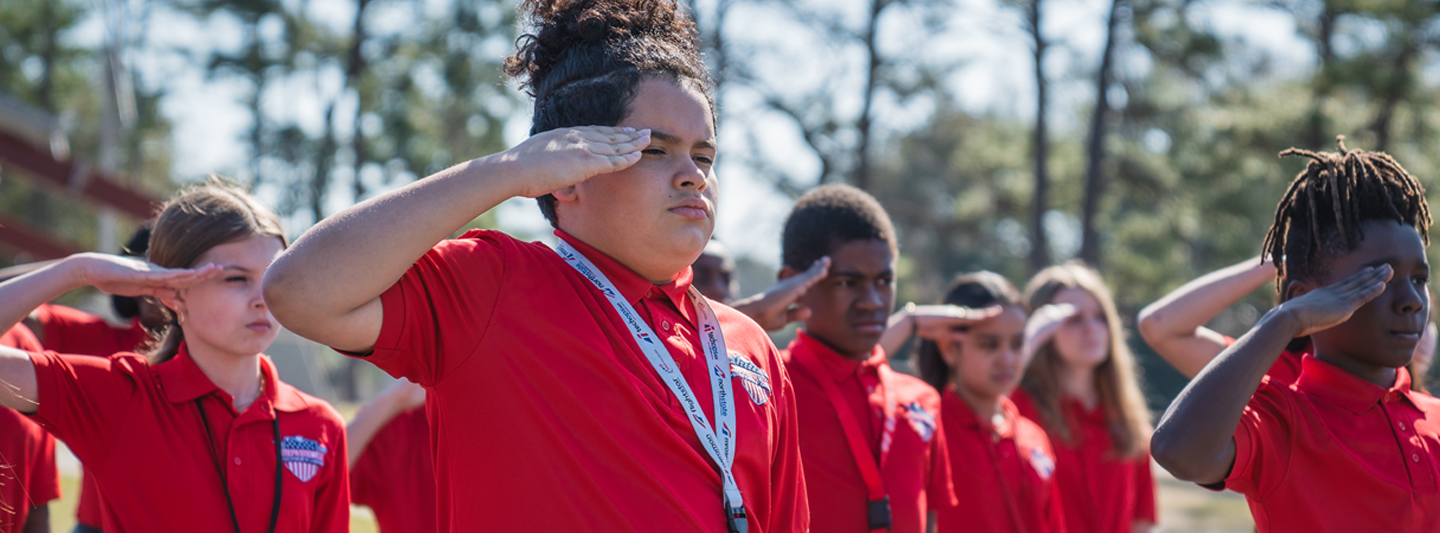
column 691, row 176
column 871, row 297
column 1407, row 298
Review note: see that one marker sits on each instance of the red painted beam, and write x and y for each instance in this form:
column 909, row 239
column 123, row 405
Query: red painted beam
column 75, row 178
column 38, row 243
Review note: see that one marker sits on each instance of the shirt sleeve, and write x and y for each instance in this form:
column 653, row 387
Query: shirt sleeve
column 1262, row 441
column 85, row 400
column 1145, row 510
column 44, row 483
column 790, row 508
column 436, row 314
column 332, row 501
column 941, row 490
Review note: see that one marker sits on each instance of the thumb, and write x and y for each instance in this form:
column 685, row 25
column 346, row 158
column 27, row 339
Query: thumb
column 797, row 314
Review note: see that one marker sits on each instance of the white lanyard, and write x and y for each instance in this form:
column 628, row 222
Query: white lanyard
column 720, row 445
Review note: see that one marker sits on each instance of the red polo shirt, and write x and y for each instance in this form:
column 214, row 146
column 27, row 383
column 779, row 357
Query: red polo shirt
column 1333, row 452
column 916, row 472
column 1004, row 473
column 1286, row 369
column 544, row 414
column 73, row 331
column 28, row 477
column 1102, row 494
column 395, row 476
column 138, row 429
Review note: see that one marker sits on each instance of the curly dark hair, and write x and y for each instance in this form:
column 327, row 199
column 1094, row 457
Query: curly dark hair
column 1321, row 213
column 584, row 60
column 828, row 217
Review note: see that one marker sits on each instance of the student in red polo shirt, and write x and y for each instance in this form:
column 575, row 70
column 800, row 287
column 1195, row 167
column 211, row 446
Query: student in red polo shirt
column 871, row 437
column 67, row 330
column 204, row 434
column 589, row 388
column 1348, row 446
column 29, row 480
column 1002, row 462
column 391, row 470
column 1081, row 386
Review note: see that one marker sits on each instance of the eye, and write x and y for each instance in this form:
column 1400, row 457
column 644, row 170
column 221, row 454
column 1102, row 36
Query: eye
column 654, row 151
column 845, row 283
column 704, row 160
column 233, row 279
column 885, row 282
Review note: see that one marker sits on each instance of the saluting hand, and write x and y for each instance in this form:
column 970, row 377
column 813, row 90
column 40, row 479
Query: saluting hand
column 132, row 277
column 557, row 159
column 1329, row 306
column 937, row 322
column 776, row 307
column 1043, row 324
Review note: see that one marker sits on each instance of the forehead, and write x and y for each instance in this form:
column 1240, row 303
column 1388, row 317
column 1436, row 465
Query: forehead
column 676, row 109
column 868, row 256
column 255, row 252
column 1078, row 297
column 1384, row 241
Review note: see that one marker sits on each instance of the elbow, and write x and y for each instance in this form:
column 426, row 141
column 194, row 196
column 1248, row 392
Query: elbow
column 1169, row 452
column 279, row 290
column 1150, row 323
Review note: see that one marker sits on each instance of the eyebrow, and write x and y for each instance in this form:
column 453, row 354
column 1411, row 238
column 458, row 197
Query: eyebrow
column 236, row 267
column 852, row 274
column 675, row 139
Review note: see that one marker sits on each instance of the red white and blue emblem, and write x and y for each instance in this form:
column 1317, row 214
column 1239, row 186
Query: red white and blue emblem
column 1042, row 462
column 302, row 456
column 756, row 381
column 921, row 420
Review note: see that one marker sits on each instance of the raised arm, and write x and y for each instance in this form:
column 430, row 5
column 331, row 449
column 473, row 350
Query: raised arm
column 395, row 399
column 1175, row 324
column 931, row 322
column 1195, row 440
column 112, row 274
column 327, row 286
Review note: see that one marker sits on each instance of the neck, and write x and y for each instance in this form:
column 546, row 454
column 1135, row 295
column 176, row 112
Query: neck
column 651, row 263
column 1078, row 383
column 984, row 407
column 853, row 356
column 1382, row 376
column 238, row 376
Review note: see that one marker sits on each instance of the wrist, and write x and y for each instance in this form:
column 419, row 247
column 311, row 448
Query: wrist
column 1282, row 319
column 507, row 172
column 74, row 270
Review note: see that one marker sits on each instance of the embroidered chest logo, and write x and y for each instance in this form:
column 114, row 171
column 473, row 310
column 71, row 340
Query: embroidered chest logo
column 756, row 381
column 1042, row 462
column 923, row 421
column 302, row 456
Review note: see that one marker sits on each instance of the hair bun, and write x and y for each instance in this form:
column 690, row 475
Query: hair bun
column 577, row 39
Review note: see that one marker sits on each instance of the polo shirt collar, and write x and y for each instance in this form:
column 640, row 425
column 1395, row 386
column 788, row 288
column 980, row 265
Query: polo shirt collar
column 969, row 419
column 838, row 366
column 1324, row 380
column 182, row 381
column 631, row 285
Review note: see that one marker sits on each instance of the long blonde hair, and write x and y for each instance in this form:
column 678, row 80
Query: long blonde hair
column 1117, row 378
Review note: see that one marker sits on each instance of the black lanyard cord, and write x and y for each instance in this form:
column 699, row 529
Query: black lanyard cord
column 225, row 483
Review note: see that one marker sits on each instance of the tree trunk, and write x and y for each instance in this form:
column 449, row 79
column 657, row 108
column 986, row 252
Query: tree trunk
column 1317, row 126
column 1039, row 244
column 1095, row 149
column 864, row 125
column 1395, row 89
column 353, row 70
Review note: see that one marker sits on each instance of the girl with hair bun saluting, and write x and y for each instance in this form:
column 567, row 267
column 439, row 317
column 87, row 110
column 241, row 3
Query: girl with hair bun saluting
column 208, row 414
column 590, row 387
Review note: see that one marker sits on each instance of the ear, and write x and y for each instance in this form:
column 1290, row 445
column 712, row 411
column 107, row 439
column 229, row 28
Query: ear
column 175, row 304
column 786, row 272
column 567, row 195
column 950, row 353
column 1296, row 288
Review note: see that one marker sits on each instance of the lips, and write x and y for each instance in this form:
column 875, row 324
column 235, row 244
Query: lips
column 693, row 207
column 260, row 326
column 869, row 326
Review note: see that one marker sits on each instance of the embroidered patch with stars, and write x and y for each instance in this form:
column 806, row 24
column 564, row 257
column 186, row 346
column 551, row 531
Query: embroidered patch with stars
column 756, row 381
column 302, row 456
column 923, row 421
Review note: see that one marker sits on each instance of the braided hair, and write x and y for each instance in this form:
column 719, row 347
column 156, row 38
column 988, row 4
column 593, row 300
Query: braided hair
column 1321, row 213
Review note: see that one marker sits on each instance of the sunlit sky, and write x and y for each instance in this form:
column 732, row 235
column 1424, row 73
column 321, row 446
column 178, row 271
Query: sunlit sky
column 984, row 38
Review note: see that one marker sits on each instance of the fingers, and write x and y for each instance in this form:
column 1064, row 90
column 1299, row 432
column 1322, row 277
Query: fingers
column 797, row 314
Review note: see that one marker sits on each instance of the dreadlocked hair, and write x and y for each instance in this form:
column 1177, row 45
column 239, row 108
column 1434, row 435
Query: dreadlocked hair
column 1321, row 213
